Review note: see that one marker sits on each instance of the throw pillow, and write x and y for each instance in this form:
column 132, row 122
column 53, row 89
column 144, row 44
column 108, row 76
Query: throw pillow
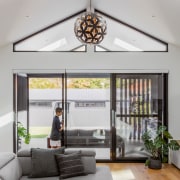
column 88, row 160
column 70, row 165
column 43, row 162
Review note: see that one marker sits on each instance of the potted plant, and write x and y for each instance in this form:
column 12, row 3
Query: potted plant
column 158, row 147
column 22, row 133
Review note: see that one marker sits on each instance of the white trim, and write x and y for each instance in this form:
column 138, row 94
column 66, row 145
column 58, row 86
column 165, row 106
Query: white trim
column 38, row 71
column 117, row 71
column 49, row 71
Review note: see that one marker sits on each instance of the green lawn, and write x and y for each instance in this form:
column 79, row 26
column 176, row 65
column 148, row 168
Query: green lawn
column 39, row 132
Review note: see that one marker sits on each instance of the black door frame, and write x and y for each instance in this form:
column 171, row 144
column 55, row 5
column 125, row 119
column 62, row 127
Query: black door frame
column 112, row 108
column 20, row 102
column 164, row 86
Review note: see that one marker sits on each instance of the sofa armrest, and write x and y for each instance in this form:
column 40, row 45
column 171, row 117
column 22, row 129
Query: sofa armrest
column 5, row 158
column 11, row 169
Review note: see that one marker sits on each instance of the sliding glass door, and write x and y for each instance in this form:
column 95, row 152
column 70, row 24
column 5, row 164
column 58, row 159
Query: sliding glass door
column 35, row 98
column 46, row 93
column 106, row 112
column 88, row 113
column 139, row 101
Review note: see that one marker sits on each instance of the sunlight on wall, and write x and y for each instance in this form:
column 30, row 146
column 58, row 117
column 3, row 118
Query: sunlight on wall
column 6, row 119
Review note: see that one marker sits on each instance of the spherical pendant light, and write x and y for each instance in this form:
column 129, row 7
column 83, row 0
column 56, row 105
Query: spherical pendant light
column 90, row 28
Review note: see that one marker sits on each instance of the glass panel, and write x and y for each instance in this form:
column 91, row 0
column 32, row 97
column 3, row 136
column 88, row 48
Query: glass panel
column 57, row 37
column 44, row 93
column 138, row 109
column 21, row 109
column 88, row 122
column 124, row 37
column 120, row 37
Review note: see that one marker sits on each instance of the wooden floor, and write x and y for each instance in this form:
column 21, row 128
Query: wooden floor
column 137, row 171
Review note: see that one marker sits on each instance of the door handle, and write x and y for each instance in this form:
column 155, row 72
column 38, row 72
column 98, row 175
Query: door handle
column 113, row 115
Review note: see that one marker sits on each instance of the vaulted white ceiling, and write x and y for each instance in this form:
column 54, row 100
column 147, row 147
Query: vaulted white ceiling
column 21, row 18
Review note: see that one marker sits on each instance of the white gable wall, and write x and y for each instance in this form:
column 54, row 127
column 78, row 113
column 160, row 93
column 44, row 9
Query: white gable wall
column 45, row 61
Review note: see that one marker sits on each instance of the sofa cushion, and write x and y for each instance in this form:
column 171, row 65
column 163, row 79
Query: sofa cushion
column 88, row 160
column 72, row 132
column 24, row 153
column 43, row 163
column 24, row 156
column 102, row 173
column 70, row 165
column 25, row 163
column 83, row 132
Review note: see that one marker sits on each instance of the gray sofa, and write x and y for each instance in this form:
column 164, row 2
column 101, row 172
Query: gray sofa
column 19, row 167
column 82, row 137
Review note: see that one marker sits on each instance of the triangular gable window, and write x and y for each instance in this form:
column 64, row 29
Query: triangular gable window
column 60, row 37
column 57, row 37
column 123, row 37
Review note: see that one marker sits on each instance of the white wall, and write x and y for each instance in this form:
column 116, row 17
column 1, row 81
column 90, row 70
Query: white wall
column 60, row 60
column 6, row 135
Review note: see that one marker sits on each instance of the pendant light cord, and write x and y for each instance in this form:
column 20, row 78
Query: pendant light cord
column 90, row 5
